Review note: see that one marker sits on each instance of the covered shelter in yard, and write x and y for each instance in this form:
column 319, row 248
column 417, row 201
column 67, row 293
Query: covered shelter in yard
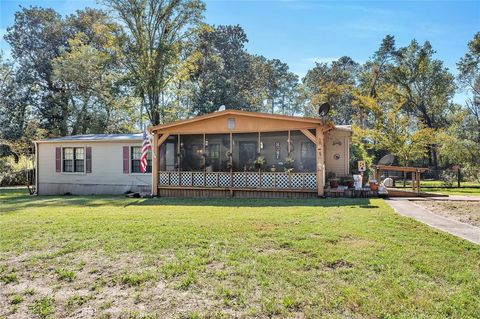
column 414, row 171
column 235, row 153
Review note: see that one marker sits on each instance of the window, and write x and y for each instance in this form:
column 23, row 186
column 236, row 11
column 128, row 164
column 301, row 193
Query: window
column 73, row 159
column 231, row 123
column 136, row 158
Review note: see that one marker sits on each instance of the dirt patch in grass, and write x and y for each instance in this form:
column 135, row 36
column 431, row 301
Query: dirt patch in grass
column 127, row 286
column 465, row 212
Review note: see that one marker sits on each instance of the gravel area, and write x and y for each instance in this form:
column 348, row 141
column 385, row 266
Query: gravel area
column 462, row 211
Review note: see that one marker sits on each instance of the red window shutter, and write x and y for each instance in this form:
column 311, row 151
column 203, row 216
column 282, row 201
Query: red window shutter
column 88, row 160
column 58, row 159
column 126, row 159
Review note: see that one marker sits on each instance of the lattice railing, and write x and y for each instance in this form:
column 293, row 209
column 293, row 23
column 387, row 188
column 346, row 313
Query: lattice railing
column 253, row 180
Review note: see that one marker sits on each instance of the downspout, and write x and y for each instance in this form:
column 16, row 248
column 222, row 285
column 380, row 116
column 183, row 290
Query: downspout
column 36, row 168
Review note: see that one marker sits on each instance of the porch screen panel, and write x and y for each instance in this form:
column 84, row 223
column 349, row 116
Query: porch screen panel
column 303, row 151
column 217, row 157
column 191, row 153
column 274, row 148
column 245, row 152
column 169, row 154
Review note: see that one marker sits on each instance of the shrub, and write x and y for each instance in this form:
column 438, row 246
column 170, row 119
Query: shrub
column 471, row 174
column 12, row 174
column 448, row 178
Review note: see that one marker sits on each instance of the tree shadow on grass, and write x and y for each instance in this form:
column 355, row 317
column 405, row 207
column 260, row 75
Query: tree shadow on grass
column 18, row 201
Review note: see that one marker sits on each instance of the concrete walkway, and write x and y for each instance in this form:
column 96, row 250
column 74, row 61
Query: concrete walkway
column 408, row 208
column 455, row 198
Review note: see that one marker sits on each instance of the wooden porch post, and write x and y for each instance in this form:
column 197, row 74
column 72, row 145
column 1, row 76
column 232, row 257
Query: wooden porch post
column 418, row 182
column 320, row 161
column 156, row 164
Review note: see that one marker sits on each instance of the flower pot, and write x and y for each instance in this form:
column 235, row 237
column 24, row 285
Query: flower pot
column 350, row 184
column 373, row 186
column 333, row 183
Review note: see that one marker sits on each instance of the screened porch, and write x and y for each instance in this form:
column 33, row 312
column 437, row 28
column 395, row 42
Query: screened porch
column 283, row 160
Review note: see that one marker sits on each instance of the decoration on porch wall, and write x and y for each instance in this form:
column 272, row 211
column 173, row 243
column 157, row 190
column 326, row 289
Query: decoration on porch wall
column 337, row 142
column 277, row 150
column 336, row 157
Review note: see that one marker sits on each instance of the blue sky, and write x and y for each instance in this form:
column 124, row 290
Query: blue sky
column 302, row 32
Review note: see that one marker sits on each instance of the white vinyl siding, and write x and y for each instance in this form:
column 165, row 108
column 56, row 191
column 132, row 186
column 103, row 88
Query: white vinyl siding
column 107, row 170
column 337, row 155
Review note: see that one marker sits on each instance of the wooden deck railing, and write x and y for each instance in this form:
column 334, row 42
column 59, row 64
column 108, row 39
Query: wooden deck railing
column 240, row 180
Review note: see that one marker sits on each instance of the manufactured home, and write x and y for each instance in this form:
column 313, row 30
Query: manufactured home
column 90, row 164
column 223, row 154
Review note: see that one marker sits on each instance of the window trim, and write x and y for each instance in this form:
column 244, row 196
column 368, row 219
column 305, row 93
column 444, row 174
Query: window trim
column 130, row 161
column 73, row 161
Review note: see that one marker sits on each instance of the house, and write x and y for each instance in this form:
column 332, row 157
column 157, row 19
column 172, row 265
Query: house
column 222, row 154
column 248, row 154
column 90, row 164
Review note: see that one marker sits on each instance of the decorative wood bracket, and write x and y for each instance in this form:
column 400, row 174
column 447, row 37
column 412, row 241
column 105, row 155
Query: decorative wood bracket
column 163, row 138
column 309, row 135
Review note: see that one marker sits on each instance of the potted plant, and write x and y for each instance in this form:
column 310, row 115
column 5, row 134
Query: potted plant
column 260, row 162
column 349, row 182
column 373, row 184
column 273, row 168
column 289, row 162
column 333, row 181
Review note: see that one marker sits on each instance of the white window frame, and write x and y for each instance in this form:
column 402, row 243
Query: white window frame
column 84, row 161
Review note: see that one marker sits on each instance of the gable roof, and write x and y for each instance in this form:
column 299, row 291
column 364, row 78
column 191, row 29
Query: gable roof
column 96, row 138
column 316, row 121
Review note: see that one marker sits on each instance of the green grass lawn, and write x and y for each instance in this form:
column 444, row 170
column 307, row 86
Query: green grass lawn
column 466, row 188
column 467, row 191
column 111, row 257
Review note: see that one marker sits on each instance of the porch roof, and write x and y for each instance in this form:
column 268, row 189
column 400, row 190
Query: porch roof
column 246, row 122
column 95, row 138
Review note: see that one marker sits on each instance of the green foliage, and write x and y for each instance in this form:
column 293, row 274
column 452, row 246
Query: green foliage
column 137, row 279
column 16, row 299
column 396, row 132
column 468, row 132
column 333, row 84
column 43, row 307
column 223, row 73
column 157, row 61
column 65, row 274
column 154, row 36
column 47, row 90
column 9, row 278
column 97, row 93
column 12, row 174
column 449, row 177
column 405, row 83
